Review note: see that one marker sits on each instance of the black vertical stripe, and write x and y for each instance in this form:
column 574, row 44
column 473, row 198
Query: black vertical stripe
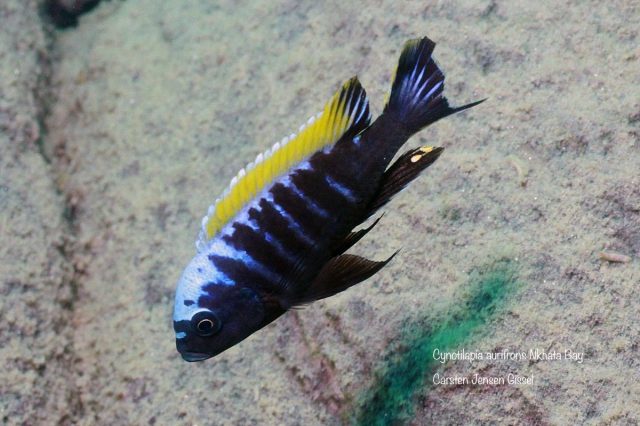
column 311, row 223
column 239, row 272
column 314, row 186
column 256, row 245
column 270, row 220
column 339, row 164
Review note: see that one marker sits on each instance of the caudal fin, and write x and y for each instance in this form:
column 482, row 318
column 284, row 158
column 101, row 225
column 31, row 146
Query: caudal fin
column 416, row 98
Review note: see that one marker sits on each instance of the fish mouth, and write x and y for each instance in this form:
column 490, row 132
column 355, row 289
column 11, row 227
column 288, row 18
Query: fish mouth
column 195, row 356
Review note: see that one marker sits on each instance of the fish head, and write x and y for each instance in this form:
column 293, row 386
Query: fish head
column 211, row 314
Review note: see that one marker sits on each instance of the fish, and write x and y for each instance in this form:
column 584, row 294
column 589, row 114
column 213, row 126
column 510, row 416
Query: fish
column 277, row 237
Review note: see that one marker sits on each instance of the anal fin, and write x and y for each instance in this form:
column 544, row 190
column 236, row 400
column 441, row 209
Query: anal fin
column 406, row 168
column 340, row 273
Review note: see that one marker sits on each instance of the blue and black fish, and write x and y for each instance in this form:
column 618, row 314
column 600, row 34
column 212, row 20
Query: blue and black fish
column 277, row 237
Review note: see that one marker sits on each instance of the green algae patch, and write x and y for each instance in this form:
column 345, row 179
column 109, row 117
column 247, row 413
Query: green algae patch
column 391, row 399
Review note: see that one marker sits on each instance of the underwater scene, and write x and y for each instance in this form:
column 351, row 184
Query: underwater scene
column 319, row 213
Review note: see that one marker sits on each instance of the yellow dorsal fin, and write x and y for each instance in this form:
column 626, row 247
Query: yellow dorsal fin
column 346, row 113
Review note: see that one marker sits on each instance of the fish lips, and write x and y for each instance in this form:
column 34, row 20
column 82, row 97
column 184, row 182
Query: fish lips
column 182, row 329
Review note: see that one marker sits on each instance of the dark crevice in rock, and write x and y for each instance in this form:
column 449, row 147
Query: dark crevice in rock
column 44, row 98
column 42, row 94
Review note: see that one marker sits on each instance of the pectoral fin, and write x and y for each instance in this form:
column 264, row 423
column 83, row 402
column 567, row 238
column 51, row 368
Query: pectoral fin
column 339, row 274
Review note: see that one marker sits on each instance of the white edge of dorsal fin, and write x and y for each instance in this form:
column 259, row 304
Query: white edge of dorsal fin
column 361, row 104
column 201, row 241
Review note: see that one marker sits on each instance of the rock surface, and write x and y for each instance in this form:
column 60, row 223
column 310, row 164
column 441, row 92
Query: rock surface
column 157, row 105
column 36, row 290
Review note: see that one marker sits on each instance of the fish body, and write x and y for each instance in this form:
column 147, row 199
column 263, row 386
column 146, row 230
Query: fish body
column 277, row 237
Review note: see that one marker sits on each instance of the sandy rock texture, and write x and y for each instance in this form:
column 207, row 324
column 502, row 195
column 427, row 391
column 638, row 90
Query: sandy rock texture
column 36, row 290
column 156, row 105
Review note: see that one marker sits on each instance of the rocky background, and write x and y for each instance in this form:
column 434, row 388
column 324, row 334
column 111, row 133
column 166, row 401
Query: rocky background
column 119, row 127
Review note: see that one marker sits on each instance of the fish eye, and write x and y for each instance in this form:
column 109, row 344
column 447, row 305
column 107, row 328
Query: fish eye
column 206, row 323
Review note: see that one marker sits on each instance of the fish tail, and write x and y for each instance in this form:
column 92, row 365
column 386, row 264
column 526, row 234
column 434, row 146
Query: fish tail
column 416, row 98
